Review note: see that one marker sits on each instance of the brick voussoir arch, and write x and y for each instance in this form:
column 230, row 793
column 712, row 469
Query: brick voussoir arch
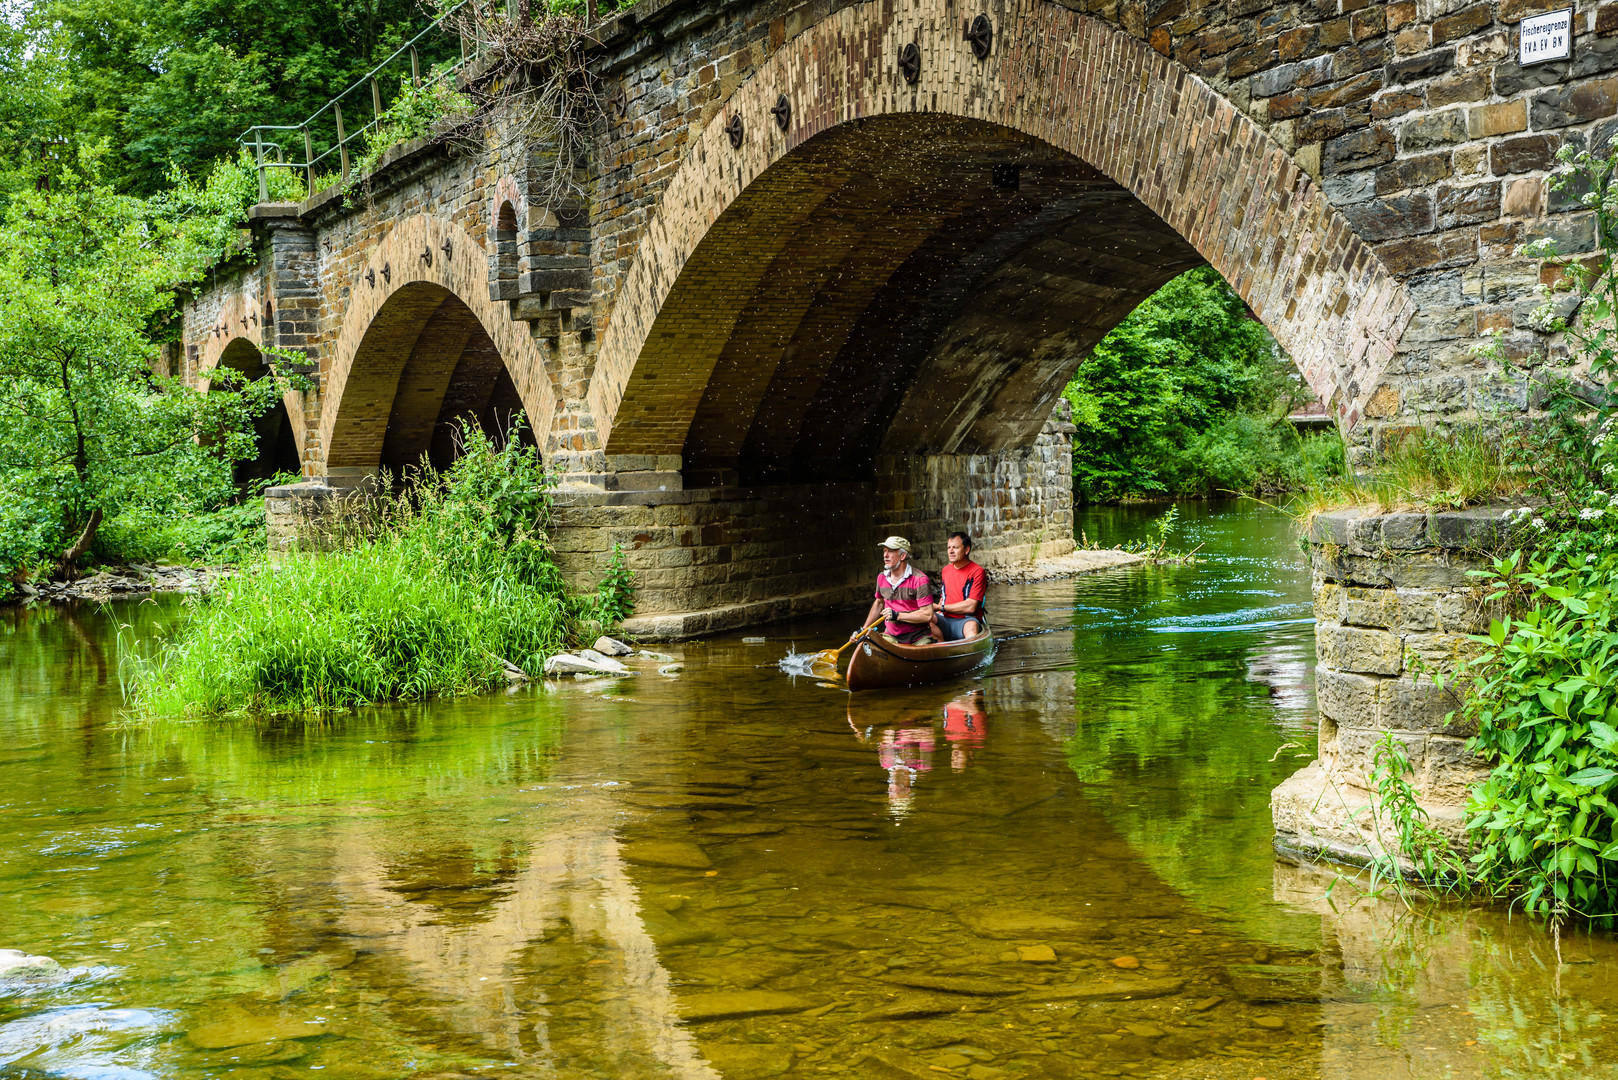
column 420, row 250
column 1075, row 82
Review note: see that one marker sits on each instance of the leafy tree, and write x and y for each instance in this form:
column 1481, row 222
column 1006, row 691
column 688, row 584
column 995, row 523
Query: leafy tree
column 1185, row 395
column 86, row 429
column 172, row 83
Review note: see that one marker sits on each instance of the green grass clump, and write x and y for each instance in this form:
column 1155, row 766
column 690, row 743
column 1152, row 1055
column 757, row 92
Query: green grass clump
column 1423, row 471
column 437, row 588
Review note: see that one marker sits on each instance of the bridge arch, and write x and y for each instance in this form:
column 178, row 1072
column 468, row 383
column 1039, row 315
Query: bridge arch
column 422, row 343
column 986, row 225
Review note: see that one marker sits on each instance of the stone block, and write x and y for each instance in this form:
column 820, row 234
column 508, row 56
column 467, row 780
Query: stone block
column 1480, row 530
column 1414, row 172
column 1384, row 219
column 1420, row 570
column 1579, row 103
column 1348, row 699
column 1504, row 118
column 1417, row 610
column 1378, row 608
column 1328, row 601
column 1420, row 704
column 1361, row 149
column 1404, row 532
column 1371, row 652
column 1528, row 153
column 1426, row 66
column 1465, row 613
column 1432, row 130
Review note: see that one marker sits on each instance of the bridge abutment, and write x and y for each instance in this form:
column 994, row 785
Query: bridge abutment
column 708, row 559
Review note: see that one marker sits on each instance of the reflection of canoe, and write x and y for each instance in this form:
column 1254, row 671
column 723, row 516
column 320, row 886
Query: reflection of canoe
column 879, row 664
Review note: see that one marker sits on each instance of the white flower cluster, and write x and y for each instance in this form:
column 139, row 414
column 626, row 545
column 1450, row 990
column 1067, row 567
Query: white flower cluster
column 1517, row 516
column 1590, row 513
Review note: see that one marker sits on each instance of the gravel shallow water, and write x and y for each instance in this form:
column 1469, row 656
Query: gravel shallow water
column 1058, row 869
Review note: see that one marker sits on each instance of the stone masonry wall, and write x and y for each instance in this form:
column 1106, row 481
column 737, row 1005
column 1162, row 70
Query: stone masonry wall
column 1394, row 606
column 1413, row 117
column 712, row 559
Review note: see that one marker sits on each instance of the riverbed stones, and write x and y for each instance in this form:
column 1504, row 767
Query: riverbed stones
column 607, row 646
column 1036, row 954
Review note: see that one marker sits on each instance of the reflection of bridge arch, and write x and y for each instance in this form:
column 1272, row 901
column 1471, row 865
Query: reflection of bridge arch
column 421, row 345
column 920, row 268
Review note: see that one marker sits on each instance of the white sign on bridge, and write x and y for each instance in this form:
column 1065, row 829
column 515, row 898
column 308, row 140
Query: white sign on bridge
column 1546, row 37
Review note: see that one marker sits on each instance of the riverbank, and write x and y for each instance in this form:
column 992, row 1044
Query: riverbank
column 129, row 582
column 1072, row 564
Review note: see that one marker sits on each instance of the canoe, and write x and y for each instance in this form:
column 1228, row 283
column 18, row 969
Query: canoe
column 879, row 664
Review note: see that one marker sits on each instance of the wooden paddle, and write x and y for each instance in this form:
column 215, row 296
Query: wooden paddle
column 832, row 657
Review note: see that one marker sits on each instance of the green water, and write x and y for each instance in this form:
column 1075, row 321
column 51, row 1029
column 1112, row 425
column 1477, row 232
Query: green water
column 1060, row 868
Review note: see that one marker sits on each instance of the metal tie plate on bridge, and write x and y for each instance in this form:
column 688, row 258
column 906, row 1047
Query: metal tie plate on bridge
column 427, row 254
column 910, row 62
column 980, row 32
column 448, row 249
column 734, row 130
column 782, row 112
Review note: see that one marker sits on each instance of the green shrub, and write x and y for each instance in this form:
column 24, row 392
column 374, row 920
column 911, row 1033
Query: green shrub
column 1545, row 703
column 1186, row 396
column 446, row 583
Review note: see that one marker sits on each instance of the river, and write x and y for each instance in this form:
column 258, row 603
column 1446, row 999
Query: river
column 1058, row 869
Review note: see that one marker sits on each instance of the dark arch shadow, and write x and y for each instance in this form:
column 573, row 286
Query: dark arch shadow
column 425, row 364
column 277, row 444
column 906, row 284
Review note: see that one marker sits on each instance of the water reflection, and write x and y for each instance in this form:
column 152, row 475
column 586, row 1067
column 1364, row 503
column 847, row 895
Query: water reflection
column 905, row 747
column 708, row 877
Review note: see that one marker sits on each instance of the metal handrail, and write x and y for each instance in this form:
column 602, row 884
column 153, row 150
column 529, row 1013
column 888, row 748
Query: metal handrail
column 254, row 137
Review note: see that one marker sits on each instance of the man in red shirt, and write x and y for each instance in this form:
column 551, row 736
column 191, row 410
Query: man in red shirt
column 962, row 614
column 904, row 592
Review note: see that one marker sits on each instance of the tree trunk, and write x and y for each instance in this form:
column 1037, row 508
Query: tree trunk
column 64, row 565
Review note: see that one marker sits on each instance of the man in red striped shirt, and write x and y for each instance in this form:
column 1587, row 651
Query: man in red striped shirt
column 962, row 614
column 904, row 592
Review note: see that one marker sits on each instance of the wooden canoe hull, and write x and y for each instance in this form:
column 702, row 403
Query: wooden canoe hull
column 879, row 664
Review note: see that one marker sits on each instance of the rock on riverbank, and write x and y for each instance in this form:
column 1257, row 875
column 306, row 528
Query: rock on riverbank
column 124, row 582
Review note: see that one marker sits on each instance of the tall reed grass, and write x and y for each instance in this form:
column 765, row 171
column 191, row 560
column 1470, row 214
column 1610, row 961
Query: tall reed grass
column 432, row 592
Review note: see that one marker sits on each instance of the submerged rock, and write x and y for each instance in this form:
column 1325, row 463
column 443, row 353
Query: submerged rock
column 1019, row 924
column 16, row 964
column 611, row 647
column 732, row 1005
column 1110, row 990
column 749, row 1059
column 677, row 854
column 238, row 1027
column 954, row 984
column 1255, row 983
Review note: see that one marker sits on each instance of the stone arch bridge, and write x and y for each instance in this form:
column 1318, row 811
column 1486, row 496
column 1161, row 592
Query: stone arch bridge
column 835, row 262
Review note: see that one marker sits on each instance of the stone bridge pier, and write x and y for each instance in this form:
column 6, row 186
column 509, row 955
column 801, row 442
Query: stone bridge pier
column 829, row 265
